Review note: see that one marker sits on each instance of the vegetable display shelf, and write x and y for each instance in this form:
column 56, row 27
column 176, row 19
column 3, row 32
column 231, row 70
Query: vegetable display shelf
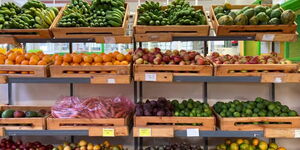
column 33, row 123
column 145, row 33
column 249, row 30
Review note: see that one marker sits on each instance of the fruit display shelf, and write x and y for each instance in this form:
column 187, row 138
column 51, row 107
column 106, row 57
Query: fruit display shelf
column 24, row 71
column 250, row 30
column 21, row 122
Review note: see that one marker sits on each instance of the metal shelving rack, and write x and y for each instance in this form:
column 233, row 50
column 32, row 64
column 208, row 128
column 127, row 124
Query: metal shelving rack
column 138, row 91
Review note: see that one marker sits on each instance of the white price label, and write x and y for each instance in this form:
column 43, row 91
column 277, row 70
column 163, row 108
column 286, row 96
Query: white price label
column 297, row 133
column 192, row 132
column 111, row 81
column 268, row 37
column 278, row 80
column 150, row 77
column 109, row 40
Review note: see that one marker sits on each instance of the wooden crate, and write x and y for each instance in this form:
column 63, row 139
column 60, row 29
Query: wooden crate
column 94, row 126
column 88, row 32
column 280, row 77
column 177, row 123
column 38, row 123
column 165, row 73
column 232, row 124
column 252, row 69
column 248, row 30
column 16, row 70
column 119, row 74
column 281, row 132
column 145, row 33
column 3, row 79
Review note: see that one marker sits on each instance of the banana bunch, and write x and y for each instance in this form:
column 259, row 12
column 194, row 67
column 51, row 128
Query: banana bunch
column 44, row 18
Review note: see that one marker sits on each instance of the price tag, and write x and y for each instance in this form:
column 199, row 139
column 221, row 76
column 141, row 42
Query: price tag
column 109, row 40
column 192, row 132
column 150, row 77
column 297, row 133
column 108, row 132
column 277, row 80
column 111, row 81
column 145, row 132
column 268, row 37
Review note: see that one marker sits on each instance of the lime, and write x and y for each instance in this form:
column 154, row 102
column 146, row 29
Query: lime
column 236, row 114
column 270, row 114
column 283, row 115
column 285, row 108
column 228, row 114
column 244, row 146
column 232, row 109
column 223, row 114
column 273, row 145
column 239, row 108
column 190, row 105
column 181, row 106
column 248, row 111
column 254, row 115
column 276, row 111
column 176, row 113
column 293, row 113
column 262, row 114
column 260, row 105
column 255, row 110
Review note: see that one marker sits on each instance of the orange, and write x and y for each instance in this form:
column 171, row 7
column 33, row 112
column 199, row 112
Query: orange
column 92, row 72
column 75, row 64
column 9, row 62
column 113, row 72
column 2, row 56
column 2, row 61
column 11, row 72
column 41, row 56
column 124, row 63
column 46, row 59
column 107, row 58
column 281, row 148
column 70, row 72
column 98, row 59
column 65, row 64
column 86, row 64
column 120, row 57
column 255, row 141
column 28, row 55
column 24, row 72
column 25, row 62
column 82, row 63
column 67, row 58
column 88, row 59
column 31, row 72
column 239, row 141
column 60, row 58
column 41, row 62
column 94, row 55
column 33, row 61
column 108, row 64
column 115, row 53
column 3, row 72
column 19, row 59
column 81, row 72
column 37, row 58
column 77, row 58
column 12, row 56
column 117, row 63
column 128, row 57
column 97, row 64
column 57, row 62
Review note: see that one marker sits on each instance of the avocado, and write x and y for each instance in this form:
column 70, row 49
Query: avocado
column 9, row 113
column 31, row 114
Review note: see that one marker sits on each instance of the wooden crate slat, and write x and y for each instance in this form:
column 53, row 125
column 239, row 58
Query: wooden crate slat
column 88, row 32
column 248, row 30
column 39, row 70
column 280, row 78
column 208, row 123
column 229, row 124
column 145, row 33
column 280, row 132
column 111, row 79
column 118, row 130
column 256, row 69
column 37, row 123
column 3, row 79
column 278, row 37
column 160, row 131
column 61, row 71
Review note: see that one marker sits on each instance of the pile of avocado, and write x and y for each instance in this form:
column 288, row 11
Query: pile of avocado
column 179, row 12
column 259, row 15
column 32, row 15
column 10, row 113
column 101, row 13
column 258, row 108
column 191, row 108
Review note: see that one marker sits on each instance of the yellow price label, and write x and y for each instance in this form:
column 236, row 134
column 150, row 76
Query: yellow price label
column 145, row 132
column 108, row 132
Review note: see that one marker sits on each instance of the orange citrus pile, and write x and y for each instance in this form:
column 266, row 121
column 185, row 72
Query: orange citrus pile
column 82, row 59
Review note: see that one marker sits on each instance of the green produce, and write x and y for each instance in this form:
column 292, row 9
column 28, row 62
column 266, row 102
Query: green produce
column 191, row 108
column 259, row 15
column 29, row 114
column 179, row 12
column 9, row 113
column 241, row 20
column 258, row 108
column 177, row 146
column 225, row 20
column 288, row 17
column 33, row 15
column 101, row 13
